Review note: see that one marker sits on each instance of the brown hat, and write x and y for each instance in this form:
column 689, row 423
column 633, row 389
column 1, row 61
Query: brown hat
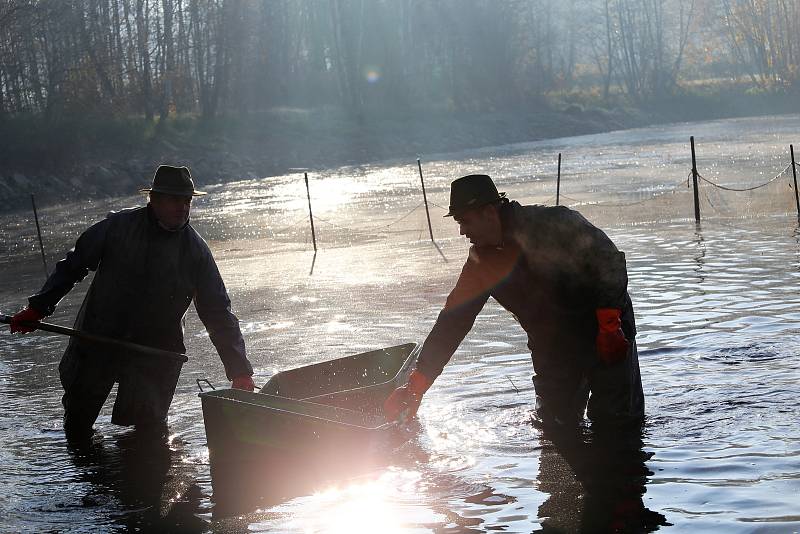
column 472, row 191
column 173, row 181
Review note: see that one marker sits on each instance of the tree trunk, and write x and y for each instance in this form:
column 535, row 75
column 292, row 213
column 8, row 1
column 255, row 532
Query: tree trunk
column 142, row 36
column 169, row 61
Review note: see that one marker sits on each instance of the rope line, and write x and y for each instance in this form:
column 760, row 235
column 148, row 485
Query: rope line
column 739, row 190
column 415, row 208
column 281, row 230
column 326, row 221
column 626, row 204
column 369, row 228
column 720, row 205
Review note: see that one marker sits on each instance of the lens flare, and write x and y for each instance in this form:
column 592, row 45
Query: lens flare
column 372, row 74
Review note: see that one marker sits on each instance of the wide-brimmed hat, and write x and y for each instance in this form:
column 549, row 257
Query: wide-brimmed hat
column 173, row 181
column 472, row 191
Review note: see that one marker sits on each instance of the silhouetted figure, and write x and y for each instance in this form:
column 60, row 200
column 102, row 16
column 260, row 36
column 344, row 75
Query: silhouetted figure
column 150, row 264
column 565, row 282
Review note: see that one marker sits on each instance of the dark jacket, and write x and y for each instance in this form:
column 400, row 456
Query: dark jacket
column 146, row 278
column 553, row 270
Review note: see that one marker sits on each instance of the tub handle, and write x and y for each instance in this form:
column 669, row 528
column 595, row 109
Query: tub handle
column 200, row 385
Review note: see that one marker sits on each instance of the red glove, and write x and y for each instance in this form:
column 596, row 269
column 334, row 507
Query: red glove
column 244, row 382
column 612, row 346
column 404, row 401
column 25, row 315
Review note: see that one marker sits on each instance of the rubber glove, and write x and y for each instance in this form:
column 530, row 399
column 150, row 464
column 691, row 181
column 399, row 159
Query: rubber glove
column 244, row 382
column 25, row 315
column 404, row 401
column 611, row 344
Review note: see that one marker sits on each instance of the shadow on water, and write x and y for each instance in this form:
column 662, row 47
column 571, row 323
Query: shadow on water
column 595, row 480
column 141, row 474
column 313, row 262
column 439, row 250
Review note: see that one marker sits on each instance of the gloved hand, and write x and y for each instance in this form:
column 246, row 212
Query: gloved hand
column 404, row 401
column 244, row 382
column 612, row 346
column 24, row 315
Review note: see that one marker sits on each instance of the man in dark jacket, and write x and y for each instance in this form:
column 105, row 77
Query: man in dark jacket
column 565, row 282
column 150, row 265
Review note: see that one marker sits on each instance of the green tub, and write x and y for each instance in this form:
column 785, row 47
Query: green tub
column 360, row 382
column 320, row 410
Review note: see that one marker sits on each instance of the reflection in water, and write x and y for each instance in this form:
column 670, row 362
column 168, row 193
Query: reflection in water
column 796, row 236
column 700, row 254
column 313, row 262
column 719, row 359
column 142, row 473
column 439, row 250
column 592, row 481
column 595, row 479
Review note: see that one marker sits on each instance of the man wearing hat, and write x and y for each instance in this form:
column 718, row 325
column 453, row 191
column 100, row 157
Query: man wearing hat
column 566, row 284
column 150, row 265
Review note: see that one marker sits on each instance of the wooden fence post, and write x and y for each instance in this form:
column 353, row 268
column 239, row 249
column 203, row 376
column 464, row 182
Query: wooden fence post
column 794, row 173
column 425, row 198
column 694, row 182
column 310, row 215
column 558, row 179
column 39, row 233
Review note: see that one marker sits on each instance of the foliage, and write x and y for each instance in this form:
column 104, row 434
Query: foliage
column 173, row 58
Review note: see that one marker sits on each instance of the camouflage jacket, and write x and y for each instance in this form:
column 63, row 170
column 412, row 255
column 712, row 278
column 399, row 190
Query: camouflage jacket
column 553, row 270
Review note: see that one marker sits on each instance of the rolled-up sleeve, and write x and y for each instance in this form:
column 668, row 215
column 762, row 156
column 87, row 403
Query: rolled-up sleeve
column 214, row 309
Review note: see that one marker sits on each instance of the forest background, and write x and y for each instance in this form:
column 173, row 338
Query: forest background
column 95, row 93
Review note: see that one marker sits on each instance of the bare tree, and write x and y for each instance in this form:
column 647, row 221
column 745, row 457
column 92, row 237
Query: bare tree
column 133, row 57
column 764, row 37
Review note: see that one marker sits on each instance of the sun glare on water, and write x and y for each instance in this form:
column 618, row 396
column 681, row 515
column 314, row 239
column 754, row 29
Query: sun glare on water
column 359, row 508
column 327, row 194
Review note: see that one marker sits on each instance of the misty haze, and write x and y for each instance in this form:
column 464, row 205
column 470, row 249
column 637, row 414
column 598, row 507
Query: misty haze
column 322, row 138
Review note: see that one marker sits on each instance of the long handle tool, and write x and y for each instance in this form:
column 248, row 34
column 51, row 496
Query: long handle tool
column 142, row 349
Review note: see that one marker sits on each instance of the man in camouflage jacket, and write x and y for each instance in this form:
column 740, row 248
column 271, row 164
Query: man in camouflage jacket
column 566, row 284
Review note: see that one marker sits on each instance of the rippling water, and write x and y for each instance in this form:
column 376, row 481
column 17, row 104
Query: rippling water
column 717, row 310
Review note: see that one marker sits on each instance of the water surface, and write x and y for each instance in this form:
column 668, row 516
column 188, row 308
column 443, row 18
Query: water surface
column 716, row 306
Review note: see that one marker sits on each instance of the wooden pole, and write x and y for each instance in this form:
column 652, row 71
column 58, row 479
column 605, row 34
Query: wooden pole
column 39, row 233
column 425, row 198
column 310, row 215
column 694, row 182
column 558, row 180
column 794, row 173
column 94, row 338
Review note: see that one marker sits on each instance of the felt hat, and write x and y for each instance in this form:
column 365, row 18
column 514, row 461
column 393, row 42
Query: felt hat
column 171, row 180
column 472, row 191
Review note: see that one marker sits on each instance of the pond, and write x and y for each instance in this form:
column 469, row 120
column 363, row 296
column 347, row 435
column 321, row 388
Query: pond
column 716, row 304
